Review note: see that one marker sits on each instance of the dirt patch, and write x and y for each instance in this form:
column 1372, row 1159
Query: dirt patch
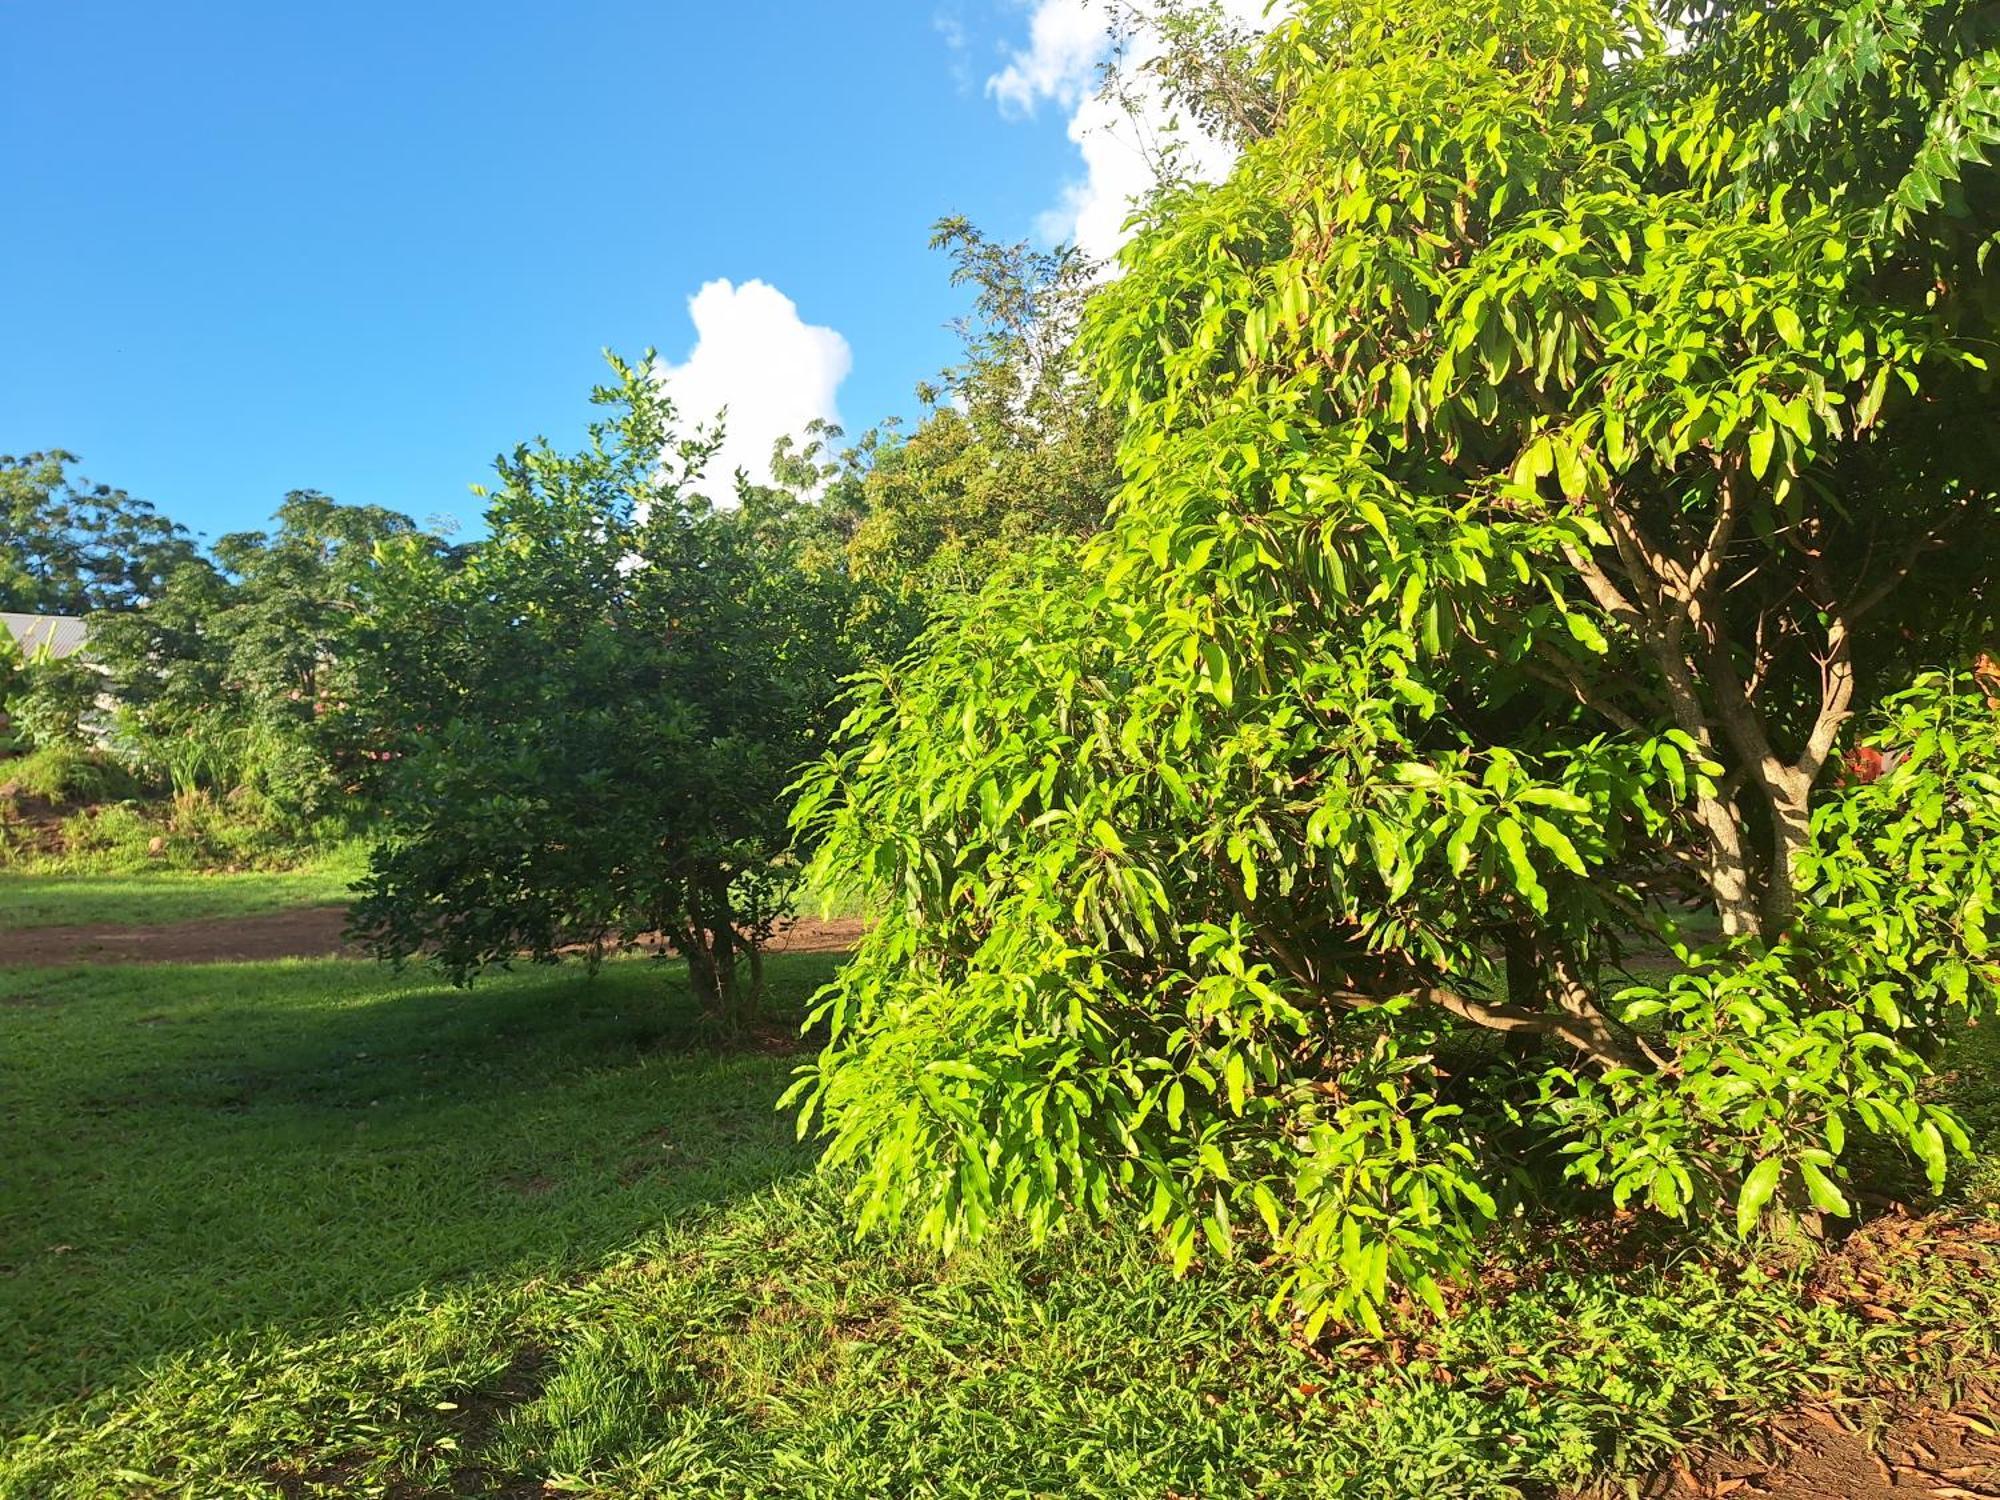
column 308, row 932
column 818, row 935
column 1876, row 1443
column 1821, row 1453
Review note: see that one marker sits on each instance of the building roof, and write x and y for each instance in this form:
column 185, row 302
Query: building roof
column 63, row 635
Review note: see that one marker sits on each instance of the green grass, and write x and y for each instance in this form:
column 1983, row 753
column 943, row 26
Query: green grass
column 42, row 900
column 66, row 774
column 315, row 1229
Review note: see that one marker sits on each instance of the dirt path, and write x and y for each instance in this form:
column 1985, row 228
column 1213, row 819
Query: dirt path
column 308, row 932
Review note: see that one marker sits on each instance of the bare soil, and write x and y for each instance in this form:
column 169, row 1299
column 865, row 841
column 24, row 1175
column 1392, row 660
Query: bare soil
column 307, row 932
column 1874, row 1444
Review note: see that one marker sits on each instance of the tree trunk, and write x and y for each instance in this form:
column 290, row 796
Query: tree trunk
column 1728, row 867
column 1791, row 830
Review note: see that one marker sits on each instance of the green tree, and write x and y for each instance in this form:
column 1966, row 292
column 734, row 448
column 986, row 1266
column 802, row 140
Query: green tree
column 72, row 548
column 596, row 717
column 1014, row 444
column 1529, row 451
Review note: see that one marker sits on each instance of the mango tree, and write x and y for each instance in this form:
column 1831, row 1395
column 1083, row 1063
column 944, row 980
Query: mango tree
column 1519, row 735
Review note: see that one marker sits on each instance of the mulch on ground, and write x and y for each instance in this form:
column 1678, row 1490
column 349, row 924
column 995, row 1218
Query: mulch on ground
column 1868, row 1453
column 308, row 932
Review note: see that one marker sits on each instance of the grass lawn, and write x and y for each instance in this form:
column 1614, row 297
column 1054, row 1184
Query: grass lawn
column 153, row 899
column 316, row 1229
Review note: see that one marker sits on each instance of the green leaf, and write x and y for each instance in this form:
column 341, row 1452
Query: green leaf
column 1557, row 843
column 1585, row 630
column 1756, row 1193
column 1823, row 1190
column 1458, row 848
column 1514, row 843
column 1216, row 674
column 1399, row 392
column 1928, row 1144
column 1570, row 473
column 1763, row 437
column 1267, row 1208
column 1236, row 1077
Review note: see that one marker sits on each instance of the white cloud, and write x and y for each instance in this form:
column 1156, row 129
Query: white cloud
column 1068, row 42
column 1067, row 39
column 754, row 355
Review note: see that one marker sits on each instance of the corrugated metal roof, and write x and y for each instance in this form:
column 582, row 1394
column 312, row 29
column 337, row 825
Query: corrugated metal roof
column 64, row 635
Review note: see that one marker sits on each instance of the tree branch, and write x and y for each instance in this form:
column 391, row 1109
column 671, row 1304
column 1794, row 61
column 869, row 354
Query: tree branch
column 1589, row 1033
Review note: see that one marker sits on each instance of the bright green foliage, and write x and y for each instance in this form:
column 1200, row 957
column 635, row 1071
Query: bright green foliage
column 593, row 718
column 1527, row 449
column 12, row 666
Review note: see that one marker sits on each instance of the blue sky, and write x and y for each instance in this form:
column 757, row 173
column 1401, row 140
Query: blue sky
column 362, row 246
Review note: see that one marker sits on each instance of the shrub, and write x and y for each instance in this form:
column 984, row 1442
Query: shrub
column 596, row 716
column 65, row 773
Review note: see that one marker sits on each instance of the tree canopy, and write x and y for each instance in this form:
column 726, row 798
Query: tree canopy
column 244, row 671
column 1517, row 736
column 1015, row 444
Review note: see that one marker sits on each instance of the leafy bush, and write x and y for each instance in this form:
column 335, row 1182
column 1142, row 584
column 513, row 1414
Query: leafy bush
column 53, row 700
column 1526, row 449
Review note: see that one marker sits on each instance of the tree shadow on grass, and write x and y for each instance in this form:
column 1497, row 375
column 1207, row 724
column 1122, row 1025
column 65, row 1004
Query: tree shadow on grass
column 193, row 1152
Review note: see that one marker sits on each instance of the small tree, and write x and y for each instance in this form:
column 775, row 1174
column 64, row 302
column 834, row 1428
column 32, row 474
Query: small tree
column 1434, row 787
column 597, row 715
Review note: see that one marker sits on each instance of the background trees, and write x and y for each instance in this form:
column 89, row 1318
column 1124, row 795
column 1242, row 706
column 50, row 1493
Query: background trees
column 594, row 720
column 71, row 548
column 1015, row 444
column 1429, row 789
column 242, row 673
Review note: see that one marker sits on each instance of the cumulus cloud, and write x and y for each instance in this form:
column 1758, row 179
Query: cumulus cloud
column 1069, row 41
column 754, row 355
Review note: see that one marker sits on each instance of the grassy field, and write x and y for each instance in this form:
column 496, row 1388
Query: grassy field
column 43, row 900
column 60, row 900
column 144, row 900
column 315, row 1229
